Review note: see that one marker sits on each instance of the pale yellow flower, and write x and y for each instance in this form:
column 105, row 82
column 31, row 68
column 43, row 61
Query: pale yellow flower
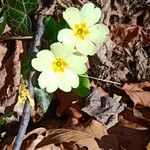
column 85, row 33
column 60, row 67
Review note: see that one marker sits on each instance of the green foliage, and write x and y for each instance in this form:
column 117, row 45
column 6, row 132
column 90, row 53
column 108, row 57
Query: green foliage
column 52, row 27
column 2, row 122
column 83, row 89
column 17, row 14
column 25, row 67
column 44, row 99
column 4, row 117
column 2, row 23
column 62, row 24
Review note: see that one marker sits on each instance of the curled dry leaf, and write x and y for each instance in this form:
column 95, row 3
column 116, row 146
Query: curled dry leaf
column 139, row 92
column 90, row 135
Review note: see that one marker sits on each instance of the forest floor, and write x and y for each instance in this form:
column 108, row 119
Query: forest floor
column 116, row 113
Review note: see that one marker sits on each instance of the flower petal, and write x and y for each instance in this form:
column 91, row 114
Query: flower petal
column 86, row 47
column 49, row 81
column 66, row 36
column 62, row 50
column 57, row 49
column 42, row 62
column 77, row 64
column 72, row 16
column 99, row 33
column 67, row 80
column 90, row 14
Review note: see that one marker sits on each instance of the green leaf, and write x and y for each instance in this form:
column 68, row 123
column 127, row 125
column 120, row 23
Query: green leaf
column 2, row 121
column 51, row 28
column 2, row 23
column 25, row 67
column 17, row 14
column 44, row 99
column 83, row 89
column 62, row 24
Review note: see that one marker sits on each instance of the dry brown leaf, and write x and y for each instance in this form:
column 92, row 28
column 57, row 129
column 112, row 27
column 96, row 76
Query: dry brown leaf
column 89, row 135
column 33, row 138
column 66, row 101
column 3, row 51
column 50, row 147
column 127, row 34
column 10, row 78
column 92, row 135
column 131, row 130
column 139, row 92
column 148, row 146
column 142, row 112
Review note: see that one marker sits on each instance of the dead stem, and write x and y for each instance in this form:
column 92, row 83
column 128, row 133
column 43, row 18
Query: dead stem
column 16, row 38
column 27, row 108
column 108, row 81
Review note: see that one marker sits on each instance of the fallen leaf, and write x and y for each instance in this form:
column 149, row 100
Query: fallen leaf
column 65, row 101
column 127, row 34
column 33, row 138
column 142, row 112
column 10, row 78
column 148, row 146
column 104, row 108
column 138, row 92
column 89, row 135
column 132, row 132
column 92, row 135
column 3, row 51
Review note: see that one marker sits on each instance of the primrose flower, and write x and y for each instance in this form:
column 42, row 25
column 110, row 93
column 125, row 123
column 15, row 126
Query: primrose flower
column 84, row 33
column 60, row 67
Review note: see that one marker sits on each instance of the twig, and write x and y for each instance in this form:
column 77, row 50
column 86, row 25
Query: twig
column 16, row 38
column 108, row 81
column 27, row 108
column 23, row 126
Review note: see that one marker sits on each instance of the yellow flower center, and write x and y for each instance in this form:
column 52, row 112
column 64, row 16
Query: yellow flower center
column 81, row 31
column 59, row 65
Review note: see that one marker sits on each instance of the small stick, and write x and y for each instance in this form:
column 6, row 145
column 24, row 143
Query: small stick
column 16, row 38
column 108, row 81
column 23, row 126
column 27, row 108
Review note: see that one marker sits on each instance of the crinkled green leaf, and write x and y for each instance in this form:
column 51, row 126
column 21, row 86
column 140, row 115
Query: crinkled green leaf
column 44, row 99
column 83, row 89
column 2, row 23
column 17, row 14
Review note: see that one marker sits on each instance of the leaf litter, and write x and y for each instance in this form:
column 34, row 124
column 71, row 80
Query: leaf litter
column 124, row 58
